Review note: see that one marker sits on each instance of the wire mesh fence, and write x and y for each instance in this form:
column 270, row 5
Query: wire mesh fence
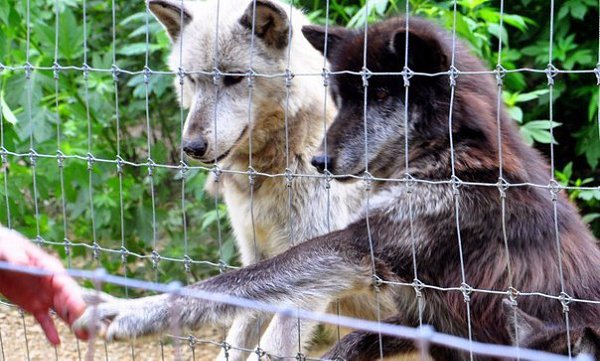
column 54, row 168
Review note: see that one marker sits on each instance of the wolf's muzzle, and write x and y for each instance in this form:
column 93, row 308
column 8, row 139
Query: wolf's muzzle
column 322, row 162
column 195, row 148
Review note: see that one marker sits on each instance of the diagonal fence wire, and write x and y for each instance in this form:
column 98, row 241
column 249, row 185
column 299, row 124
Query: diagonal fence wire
column 423, row 336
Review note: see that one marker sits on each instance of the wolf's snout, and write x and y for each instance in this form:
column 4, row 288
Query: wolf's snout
column 321, row 162
column 195, row 148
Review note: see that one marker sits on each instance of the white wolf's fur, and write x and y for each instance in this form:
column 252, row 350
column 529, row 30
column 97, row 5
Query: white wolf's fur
column 225, row 117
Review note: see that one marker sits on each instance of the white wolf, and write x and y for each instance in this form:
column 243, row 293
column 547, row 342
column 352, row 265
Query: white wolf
column 222, row 117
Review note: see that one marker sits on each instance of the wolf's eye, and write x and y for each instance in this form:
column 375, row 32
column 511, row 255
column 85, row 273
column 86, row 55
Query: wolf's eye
column 229, row 80
column 192, row 80
column 381, row 94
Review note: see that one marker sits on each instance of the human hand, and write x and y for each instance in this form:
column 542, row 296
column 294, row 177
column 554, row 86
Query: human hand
column 38, row 294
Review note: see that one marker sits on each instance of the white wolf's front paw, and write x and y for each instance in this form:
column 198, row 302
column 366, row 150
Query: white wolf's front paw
column 120, row 319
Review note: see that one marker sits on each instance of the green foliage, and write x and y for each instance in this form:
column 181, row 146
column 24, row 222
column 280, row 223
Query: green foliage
column 33, row 110
column 525, row 37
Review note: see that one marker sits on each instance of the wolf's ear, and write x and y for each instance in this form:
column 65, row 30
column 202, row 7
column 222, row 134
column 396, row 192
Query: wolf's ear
column 315, row 35
column 171, row 14
column 526, row 325
column 271, row 23
column 425, row 52
column 590, row 341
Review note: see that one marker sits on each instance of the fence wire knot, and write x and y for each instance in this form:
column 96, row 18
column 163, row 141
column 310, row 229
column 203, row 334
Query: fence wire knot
column 328, row 178
column 95, row 250
column 503, row 186
column 500, row 74
column 289, row 177
column 226, row 347
column 192, row 341
column 39, row 240
column 33, row 157
column 147, row 74
column 67, row 244
column 326, row 74
column 466, row 291
column 365, row 75
column 216, row 171
column 181, row 74
column 407, row 74
column 90, row 161
column 4, row 155
column 251, row 176
column 418, row 286
column 368, row 178
column 28, row 70
column 155, row 259
column 250, row 77
column 260, row 352
column 187, row 263
column 60, row 158
column 216, row 76
column 300, row 356
column 85, row 69
column 512, row 293
column 288, row 78
column 554, row 188
column 55, row 70
column 409, row 182
column 565, row 299
column 124, row 254
column 114, row 69
column 597, row 72
column 377, row 282
column 456, row 184
column 183, row 168
column 551, row 71
column 453, row 74
column 222, row 266
column 119, row 163
column 151, row 165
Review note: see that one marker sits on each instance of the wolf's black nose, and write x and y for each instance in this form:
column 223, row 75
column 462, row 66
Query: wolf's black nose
column 195, row 148
column 321, row 161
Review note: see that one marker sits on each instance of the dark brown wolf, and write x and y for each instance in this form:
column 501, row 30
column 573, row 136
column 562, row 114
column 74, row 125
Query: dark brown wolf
column 414, row 223
column 531, row 332
column 529, row 211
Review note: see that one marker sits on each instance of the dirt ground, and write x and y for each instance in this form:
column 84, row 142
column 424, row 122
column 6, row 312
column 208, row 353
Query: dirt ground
column 23, row 339
column 15, row 346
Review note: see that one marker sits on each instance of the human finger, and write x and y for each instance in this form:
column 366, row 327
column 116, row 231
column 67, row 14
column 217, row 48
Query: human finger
column 47, row 324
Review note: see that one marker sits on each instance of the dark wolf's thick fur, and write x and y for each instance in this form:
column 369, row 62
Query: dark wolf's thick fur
column 531, row 332
column 529, row 211
column 339, row 264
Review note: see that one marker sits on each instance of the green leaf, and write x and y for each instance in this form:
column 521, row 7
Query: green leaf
column 4, row 11
column 538, row 131
column 525, row 97
column 516, row 113
column 578, row 10
column 589, row 194
column 590, row 217
column 7, row 114
column 517, row 21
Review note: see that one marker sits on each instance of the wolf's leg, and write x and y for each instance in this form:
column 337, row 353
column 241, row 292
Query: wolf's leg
column 364, row 346
column 243, row 333
column 312, row 273
column 285, row 338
